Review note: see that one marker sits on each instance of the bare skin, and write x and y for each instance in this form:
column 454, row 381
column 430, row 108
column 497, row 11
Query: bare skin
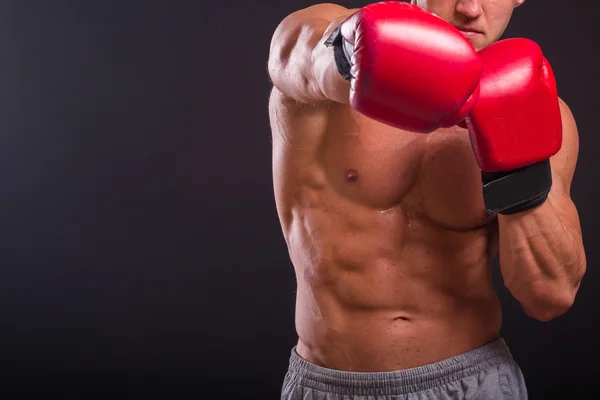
column 386, row 229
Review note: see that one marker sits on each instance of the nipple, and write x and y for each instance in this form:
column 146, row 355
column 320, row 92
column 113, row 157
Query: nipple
column 351, row 175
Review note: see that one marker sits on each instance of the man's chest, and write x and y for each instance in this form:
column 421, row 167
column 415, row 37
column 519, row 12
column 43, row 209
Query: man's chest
column 435, row 175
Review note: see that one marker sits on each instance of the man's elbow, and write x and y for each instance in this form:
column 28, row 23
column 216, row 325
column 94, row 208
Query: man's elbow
column 547, row 303
column 547, row 313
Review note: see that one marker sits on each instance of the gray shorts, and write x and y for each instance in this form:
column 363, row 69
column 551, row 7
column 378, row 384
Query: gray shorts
column 488, row 372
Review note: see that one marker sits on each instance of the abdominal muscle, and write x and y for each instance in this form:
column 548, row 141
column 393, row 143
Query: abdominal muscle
column 380, row 298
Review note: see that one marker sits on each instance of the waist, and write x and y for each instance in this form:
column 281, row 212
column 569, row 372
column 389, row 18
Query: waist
column 376, row 341
column 403, row 381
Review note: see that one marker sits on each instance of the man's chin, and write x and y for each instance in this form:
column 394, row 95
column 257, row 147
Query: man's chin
column 477, row 39
column 479, row 44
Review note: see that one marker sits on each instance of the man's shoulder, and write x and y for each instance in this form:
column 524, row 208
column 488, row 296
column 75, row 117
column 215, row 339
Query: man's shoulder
column 565, row 110
column 568, row 120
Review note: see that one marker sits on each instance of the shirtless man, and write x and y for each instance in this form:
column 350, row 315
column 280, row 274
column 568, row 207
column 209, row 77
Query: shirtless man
column 392, row 219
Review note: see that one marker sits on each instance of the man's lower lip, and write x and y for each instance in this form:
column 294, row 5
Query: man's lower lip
column 470, row 34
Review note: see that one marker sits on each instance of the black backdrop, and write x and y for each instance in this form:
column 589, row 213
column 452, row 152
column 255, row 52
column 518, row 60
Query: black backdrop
column 140, row 248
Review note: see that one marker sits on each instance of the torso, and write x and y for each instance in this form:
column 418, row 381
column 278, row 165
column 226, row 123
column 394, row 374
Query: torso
column 388, row 236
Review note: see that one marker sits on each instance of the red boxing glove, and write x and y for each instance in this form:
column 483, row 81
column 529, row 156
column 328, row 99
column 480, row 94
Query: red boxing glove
column 408, row 68
column 515, row 126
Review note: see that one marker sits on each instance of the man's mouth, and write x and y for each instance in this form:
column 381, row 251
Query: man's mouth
column 469, row 32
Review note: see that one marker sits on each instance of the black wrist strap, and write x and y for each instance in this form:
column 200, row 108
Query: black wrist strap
column 342, row 62
column 517, row 191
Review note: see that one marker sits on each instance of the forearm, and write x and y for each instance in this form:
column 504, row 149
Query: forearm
column 331, row 85
column 542, row 260
column 301, row 66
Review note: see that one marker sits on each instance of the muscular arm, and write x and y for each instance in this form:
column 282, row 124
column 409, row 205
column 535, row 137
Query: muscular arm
column 542, row 258
column 300, row 65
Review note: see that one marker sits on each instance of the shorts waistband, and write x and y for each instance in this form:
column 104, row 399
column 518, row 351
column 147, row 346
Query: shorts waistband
column 398, row 382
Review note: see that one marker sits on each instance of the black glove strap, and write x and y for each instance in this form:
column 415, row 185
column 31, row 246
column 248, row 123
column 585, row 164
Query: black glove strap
column 517, row 191
column 342, row 60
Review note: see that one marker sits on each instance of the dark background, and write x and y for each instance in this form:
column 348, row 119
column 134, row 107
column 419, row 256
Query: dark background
column 140, row 248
